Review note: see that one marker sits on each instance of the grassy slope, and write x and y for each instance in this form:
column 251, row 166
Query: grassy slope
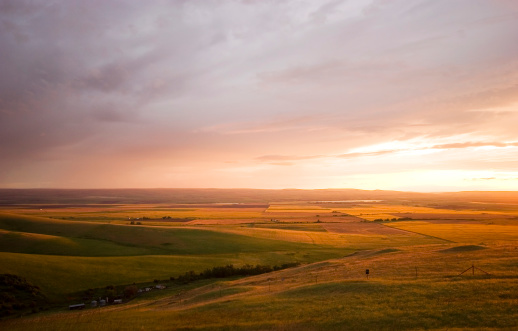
column 23, row 234
column 63, row 256
column 342, row 299
column 59, row 275
column 346, row 241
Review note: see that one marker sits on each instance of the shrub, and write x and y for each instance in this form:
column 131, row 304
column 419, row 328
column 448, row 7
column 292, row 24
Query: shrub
column 130, row 291
column 229, row 271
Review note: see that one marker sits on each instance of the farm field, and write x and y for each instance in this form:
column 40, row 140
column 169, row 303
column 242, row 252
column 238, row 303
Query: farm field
column 464, row 232
column 415, row 253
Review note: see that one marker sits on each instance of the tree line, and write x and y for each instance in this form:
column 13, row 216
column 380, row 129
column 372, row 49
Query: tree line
column 230, row 271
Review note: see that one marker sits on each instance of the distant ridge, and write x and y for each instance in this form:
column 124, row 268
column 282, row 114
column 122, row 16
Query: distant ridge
column 214, row 195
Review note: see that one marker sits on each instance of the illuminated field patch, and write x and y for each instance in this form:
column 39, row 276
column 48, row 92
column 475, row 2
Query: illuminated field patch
column 462, row 232
column 353, row 241
column 126, row 212
column 297, row 209
column 363, row 228
column 376, row 211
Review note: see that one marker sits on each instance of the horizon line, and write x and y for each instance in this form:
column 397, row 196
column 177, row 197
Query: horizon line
column 247, row 188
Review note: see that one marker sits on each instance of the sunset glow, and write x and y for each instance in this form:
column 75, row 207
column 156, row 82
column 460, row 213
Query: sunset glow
column 368, row 94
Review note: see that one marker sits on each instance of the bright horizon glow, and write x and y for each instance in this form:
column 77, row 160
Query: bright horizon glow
column 366, row 94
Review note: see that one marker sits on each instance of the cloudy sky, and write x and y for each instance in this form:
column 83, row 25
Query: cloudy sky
column 370, row 94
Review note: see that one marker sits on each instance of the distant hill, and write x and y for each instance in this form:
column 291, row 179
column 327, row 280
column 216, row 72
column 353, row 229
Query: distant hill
column 81, row 197
column 124, row 196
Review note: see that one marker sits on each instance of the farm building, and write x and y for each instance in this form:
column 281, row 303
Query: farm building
column 77, row 306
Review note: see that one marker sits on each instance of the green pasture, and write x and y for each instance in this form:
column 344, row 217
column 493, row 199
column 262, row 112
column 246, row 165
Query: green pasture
column 63, row 256
column 61, row 275
column 35, row 235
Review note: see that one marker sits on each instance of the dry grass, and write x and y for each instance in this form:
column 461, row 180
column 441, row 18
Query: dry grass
column 346, row 240
column 224, row 221
column 364, row 228
column 374, row 211
column 453, row 216
column 462, row 232
column 297, row 208
column 124, row 212
column 331, row 295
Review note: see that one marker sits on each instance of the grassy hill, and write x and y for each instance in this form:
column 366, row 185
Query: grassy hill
column 37, row 235
column 64, row 256
column 331, row 295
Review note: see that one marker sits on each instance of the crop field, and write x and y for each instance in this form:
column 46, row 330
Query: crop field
column 416, row 255
column 365, row 228
column 464, row 232
column 375, row 211
column 152, row 212
column 335, row 239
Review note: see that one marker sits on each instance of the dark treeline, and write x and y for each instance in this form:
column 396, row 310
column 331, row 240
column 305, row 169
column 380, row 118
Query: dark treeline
column 230, row 271
column 128, row 292
column 393, row 219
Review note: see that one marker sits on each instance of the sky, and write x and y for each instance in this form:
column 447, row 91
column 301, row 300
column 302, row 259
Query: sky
column 415, row 95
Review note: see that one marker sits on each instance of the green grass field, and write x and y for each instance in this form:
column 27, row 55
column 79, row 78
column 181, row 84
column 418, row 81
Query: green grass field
column 36, row 235
column 63, row 256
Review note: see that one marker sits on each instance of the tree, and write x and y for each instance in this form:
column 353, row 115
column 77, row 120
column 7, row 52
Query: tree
column 130, row 291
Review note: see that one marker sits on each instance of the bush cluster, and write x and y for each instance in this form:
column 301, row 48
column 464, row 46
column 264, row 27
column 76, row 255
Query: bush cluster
column 230, row 271
column 17, row 295
column 393, row 220
column 385, row 220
